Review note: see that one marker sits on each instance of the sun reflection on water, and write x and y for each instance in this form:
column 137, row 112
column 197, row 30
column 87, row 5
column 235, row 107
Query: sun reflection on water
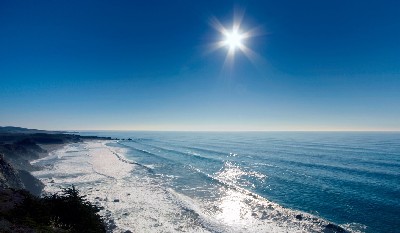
column 232, row 205
column 232, row 174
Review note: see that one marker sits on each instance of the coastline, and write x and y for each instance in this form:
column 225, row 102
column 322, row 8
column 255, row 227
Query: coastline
column 20, row 146
column 23, row 208
column 131, row 201
column 100, row 174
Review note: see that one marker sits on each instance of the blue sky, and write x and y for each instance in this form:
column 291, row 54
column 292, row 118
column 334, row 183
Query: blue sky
column 146, row 65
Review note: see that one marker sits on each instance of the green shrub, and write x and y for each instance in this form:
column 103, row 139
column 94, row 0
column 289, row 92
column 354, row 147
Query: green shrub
column 67, row 211
column 73, row 211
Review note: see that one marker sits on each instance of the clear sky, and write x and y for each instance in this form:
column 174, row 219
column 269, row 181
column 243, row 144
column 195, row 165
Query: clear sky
column 147, row 65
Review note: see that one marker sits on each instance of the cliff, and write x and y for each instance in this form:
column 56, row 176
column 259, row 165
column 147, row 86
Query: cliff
column 18, row 146
column 21, row 208
column 9, row 177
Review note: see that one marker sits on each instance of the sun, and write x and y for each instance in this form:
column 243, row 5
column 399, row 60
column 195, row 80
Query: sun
column 233, row 39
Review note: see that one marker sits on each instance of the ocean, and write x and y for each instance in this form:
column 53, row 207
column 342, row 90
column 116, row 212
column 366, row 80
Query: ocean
column 348, row 178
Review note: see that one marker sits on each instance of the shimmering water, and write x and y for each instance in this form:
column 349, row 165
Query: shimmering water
column 352, row 179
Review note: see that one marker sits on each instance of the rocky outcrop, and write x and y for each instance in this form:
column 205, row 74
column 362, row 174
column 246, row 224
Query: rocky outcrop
column 31, row 183
column 9, row 177
column 18, row 179
column 19, row 146
column 20, row 152
column 332, row 228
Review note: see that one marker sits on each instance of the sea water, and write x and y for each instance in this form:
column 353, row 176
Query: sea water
column 351, row 179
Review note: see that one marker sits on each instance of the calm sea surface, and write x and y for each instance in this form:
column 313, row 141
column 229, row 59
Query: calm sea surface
column 352, row 179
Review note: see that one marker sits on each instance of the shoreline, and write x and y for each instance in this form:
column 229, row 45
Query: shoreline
column 21, row 191
column 100, row 174
column 20, row 146
column 55, row 182
column 131, row 201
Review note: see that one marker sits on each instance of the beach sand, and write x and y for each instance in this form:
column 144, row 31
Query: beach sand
column 136, row 204
column 132, row 201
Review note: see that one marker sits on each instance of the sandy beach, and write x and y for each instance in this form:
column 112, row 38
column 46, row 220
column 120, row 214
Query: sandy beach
column 131, row 201
column 136, row 204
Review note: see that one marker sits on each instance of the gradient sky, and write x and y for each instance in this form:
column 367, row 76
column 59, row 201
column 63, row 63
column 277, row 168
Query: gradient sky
column 146, row 65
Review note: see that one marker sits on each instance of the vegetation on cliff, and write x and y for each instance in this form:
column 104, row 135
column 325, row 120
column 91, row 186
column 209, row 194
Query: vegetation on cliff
column 66, row 211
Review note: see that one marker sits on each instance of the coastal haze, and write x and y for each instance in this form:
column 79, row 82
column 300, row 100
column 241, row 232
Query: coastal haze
column 200, row 116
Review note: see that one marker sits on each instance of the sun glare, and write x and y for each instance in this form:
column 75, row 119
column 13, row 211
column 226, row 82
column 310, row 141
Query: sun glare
column 233, row 39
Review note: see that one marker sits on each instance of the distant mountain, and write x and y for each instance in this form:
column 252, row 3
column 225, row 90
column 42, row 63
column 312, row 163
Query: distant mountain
column 13, row 129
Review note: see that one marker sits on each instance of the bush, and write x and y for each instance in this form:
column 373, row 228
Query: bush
column 74, row 211
column 67, row 211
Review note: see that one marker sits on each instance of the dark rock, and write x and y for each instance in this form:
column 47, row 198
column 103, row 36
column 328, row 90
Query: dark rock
column 111, row 225
column 299, row 217
column 332, row 228
column 31, row 183
column 264, row 215
column 9, row 198
column 116, row 200
column 29, row 144
column 9, row 177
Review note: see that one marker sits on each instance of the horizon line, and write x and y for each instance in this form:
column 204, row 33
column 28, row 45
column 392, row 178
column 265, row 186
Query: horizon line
column 188, row 130
column 144, row 130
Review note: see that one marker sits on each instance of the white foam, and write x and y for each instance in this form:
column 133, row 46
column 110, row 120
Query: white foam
column 136, row 202
column 133, row 203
